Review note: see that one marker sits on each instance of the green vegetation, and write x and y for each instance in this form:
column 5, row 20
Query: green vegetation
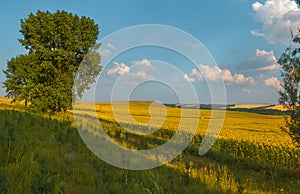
column 290, row 94
column 41, row 153
column 57, row 44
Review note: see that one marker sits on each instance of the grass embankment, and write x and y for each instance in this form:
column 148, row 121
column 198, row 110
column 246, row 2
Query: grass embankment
column 42, row 153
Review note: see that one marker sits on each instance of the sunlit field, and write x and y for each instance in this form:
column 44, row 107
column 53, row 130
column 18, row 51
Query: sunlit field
column 277, row 107
column 261, row 106
column 237, row 125
column 249, row 105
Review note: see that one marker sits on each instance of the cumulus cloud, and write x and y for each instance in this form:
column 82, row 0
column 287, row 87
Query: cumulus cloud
column 187, row 78
column 263, row 61
column 241, row 79
column 211, row 73
column 118, row 69
column 215, row 73
column 197, row 74
column 142, row 75
column 278, row 17
column 274, row 82
column 141, row 67
column 143, row 62
column 268, row 55
column 130, row 75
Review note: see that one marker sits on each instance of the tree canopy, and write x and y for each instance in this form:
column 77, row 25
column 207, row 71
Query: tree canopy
column 290, row 93
column 57, row 44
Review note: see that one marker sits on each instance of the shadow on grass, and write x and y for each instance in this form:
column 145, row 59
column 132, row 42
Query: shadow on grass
column 44, row 153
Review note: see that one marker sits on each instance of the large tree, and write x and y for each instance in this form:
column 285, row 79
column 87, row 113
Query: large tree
column 290, row 93
column 57, row 44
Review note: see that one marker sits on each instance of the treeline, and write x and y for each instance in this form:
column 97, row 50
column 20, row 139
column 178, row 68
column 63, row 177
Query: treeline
column 200, row 106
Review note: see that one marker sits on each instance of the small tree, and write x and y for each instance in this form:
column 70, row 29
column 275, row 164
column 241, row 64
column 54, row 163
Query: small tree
column 57, row 44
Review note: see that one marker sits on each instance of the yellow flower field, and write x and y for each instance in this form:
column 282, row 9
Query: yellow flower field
column 237, row 125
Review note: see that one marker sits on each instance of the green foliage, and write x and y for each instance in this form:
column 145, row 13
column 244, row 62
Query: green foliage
column 290, row 94
column 58, row 44
column 44, row 180
column 5, row 183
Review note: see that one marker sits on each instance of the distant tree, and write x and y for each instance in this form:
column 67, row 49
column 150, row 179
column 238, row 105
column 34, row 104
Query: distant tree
column 57, row 44
column 290, row 94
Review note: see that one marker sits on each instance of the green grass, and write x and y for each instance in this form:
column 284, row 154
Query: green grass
column 42, row 153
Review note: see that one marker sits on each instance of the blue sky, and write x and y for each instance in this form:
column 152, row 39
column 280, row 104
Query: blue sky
column 244, row 37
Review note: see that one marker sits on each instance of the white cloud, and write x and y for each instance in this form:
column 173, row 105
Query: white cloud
column 264, row 61
column 107, row 50
column 278, row 17
column 274, row 82
column 269, row 56
column 118, row 69
column 215, row 73
column 142, row 75
column 227, row 77
column 187, row 78
column 246, row 90
column 105, row 53
column 197, row 74
column 273, row 67
column 130, row 75
column 143, row 63
column 241, row 79
column 211, row 73
column 256, row 33
column 141, row 67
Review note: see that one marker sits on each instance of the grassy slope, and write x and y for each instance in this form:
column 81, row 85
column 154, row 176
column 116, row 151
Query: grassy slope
column 40, row 154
